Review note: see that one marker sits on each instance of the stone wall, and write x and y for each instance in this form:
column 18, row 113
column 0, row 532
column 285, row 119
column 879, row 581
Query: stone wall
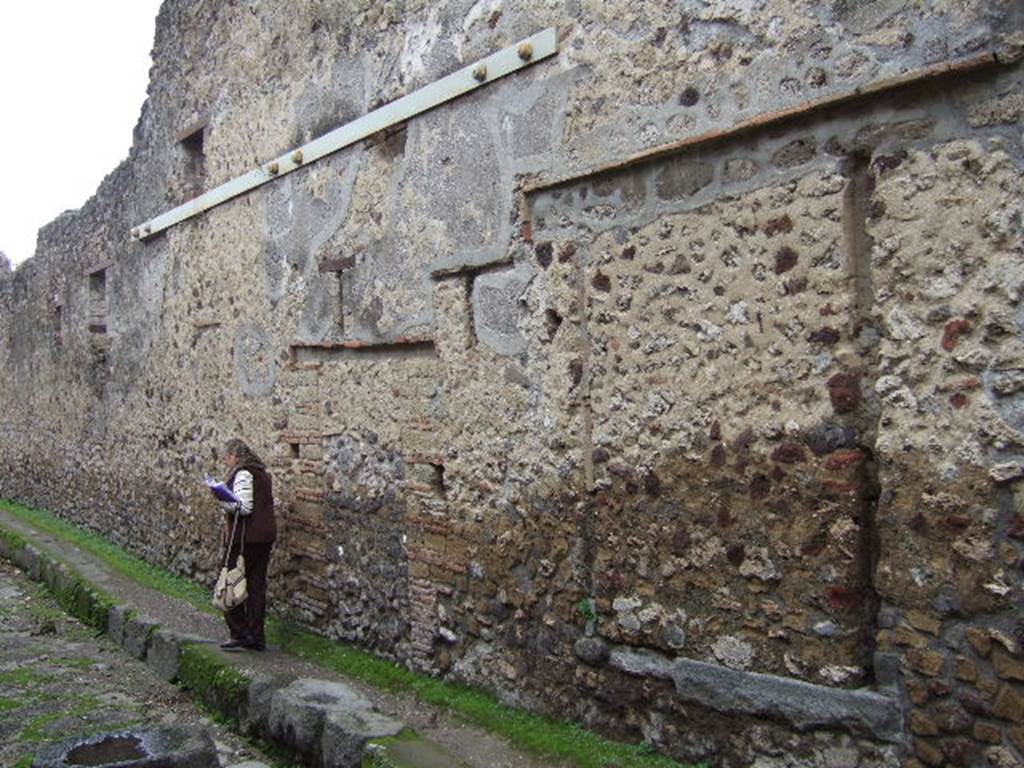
column 672, row 384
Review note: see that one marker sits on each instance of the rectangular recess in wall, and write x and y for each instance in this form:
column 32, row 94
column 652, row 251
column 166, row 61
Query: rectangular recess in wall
column 191, row 143
column 476, row 75
column 58, row 324
column 97, row 309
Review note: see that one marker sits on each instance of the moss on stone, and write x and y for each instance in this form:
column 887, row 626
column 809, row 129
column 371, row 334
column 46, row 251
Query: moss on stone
column 217, row 684
column 83, row 601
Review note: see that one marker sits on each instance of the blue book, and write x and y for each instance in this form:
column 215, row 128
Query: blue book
column 221, row 491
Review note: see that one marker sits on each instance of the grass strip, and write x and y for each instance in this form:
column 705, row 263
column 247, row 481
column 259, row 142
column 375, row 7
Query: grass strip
column 117, row 558
column 535, row 733
column 531, row 732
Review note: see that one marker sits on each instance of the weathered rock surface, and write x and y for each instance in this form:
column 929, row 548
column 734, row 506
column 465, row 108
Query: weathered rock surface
column 702, row 337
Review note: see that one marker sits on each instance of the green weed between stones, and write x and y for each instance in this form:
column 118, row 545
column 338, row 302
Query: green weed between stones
column 35, row 730
column 8, row 705
column 224, row 689
column 73, row 663
column 23, row 677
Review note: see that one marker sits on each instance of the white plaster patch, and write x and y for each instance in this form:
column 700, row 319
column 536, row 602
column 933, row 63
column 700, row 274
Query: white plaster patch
column 758, row 565
column 737, row 314
column 901, row 327
column 838, row 675
column 420, row 39
column 733, row 652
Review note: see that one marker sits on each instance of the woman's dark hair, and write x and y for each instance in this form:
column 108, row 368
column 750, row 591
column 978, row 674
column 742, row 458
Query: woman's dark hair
column 244, row 455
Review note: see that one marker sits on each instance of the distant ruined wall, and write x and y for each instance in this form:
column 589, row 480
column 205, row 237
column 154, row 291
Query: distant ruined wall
column 674, row 384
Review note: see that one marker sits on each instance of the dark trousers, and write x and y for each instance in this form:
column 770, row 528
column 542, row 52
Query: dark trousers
column 245, row 621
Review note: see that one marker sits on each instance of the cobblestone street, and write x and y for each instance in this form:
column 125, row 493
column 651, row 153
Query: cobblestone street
column 57, row 680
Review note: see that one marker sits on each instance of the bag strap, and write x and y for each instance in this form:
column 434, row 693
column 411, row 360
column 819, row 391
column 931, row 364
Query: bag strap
column 231, row 540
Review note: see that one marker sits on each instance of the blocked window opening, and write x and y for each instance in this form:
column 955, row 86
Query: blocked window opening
column 98, row 301
column 191, row 142
column 437, row 480
column 97, row 311
column 58, row 324
column 338, row 266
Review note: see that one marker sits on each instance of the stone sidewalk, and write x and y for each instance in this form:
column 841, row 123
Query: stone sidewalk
column 58, row 678
column 325, row 719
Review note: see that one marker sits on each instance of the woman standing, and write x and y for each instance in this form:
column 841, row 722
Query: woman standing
column 252, row 520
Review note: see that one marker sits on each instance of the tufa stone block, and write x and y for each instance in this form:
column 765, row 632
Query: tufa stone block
column 924, row 622
column 980, row 641
column 117, row 618
column 1007, row 667
column 1009, row 705
column 922, row 725
column 928, row 663
column 928, row 753
column 987, row 685
column 1016, row 736
column 987, row 732
column 966, row 670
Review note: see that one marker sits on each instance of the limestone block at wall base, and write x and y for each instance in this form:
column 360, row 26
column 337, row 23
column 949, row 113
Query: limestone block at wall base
column 804, row 706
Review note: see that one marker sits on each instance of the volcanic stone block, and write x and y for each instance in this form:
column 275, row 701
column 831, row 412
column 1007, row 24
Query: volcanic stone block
column 137, row 633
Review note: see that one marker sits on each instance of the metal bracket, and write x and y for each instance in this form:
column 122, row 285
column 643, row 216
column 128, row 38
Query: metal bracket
column 469, row 78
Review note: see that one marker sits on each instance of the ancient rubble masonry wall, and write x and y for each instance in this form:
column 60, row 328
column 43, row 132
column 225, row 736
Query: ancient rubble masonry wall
column 948, row 280
column 571, row 390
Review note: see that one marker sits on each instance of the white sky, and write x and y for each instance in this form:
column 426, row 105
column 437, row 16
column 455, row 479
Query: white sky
column 73, row 76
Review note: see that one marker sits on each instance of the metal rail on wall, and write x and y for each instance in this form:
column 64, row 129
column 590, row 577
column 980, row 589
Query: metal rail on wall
column 504, row 62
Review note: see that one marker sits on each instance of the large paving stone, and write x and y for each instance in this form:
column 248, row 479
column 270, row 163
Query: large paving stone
column 411, row 753
column 347, row 732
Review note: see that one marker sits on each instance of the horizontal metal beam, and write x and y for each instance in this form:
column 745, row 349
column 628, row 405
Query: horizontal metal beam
column 469, row 78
